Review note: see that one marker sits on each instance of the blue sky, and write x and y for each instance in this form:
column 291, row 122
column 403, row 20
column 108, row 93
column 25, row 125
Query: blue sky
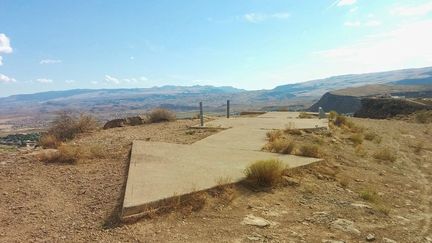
column 251, row 44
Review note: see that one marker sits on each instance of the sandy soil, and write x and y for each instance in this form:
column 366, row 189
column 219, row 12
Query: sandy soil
column 80, row 203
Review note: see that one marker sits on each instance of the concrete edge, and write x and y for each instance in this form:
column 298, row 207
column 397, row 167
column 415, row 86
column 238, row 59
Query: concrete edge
column 133, row 213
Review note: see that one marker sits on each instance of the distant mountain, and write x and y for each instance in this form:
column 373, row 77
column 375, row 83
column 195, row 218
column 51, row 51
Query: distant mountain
column 321, row 86
column 186, row 98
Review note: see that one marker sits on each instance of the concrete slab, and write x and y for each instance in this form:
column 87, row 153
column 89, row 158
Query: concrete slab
column 159, row 171
column 162, row 170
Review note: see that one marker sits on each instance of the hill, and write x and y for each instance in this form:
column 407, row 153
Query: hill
column 349, row 100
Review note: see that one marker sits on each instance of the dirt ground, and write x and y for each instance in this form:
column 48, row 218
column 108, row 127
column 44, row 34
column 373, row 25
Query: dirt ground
column 80, row 203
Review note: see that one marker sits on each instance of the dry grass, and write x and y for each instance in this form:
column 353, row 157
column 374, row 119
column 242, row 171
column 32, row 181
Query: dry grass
column 360, row 151
column 369, row 195
column 161, row 115
column 344, row 182
column 65, row 154
column 310, row 150
column 265, row 172
column 296, row 132
column 423, row 117
column 357, row 138
column 49, row 141
column 280, row 145
column 332, row 115
column 305, row 115
column 418, row 147
column 86, row 123
column 385, row 154
column 273, row 135
column 372, row 136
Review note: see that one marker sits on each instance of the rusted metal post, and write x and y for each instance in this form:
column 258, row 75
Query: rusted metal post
column 201, row 114
column 228, row 108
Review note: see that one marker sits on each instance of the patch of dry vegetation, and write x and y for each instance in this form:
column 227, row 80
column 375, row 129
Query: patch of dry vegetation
column 423, row 116
column 65, row 127
column 305, row 115
column 49, row 141
column 273, row 135
column 71, row 154
column 385, row 154
column 356, row 138
column 280, row 145
column 265, row 173
column 310, row 150
column 161, row 115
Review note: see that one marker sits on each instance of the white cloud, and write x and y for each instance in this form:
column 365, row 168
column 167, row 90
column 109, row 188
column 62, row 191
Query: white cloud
column 345, row 2
column 353, row 10
column 5, row 46
column 352, row 23
column 357, row 23
column 418, row 10
column 372, row 23
column 259, row 17
column 44, row 80
column 94, row 82
column 6, row 79
column 70, row 81
column 406, row 46
column 50, row 61
column 111, row 79
column 142, row 78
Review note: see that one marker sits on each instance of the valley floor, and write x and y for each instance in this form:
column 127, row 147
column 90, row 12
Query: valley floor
column 81, row 203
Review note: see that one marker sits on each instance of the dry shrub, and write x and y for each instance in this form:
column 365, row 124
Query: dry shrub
column 423, row 117
column 357, row 138
column 340, row 120
column 332, row 115
column 66, row 126
column 49, row 141
column 370, row 195
column 385, row 154
column 360, row 151
column 273, row 135
column 344, row 182
column 66, row 154
column 310, row 150
column 296, row 132
column 265, row 172
column 281, row 145
column 86, row 123
column 304, row 115
column 418, row 147
column 382, row 208
column 370, row 136
column 161, row 115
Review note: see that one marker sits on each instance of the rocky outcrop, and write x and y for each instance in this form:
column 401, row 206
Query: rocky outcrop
column 128, row 121
column 386, row 108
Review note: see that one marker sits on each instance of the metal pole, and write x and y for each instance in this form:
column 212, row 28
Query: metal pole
column 228, row 108
column 201, row 114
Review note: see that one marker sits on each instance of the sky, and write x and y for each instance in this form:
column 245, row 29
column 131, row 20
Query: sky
column 251, row 44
